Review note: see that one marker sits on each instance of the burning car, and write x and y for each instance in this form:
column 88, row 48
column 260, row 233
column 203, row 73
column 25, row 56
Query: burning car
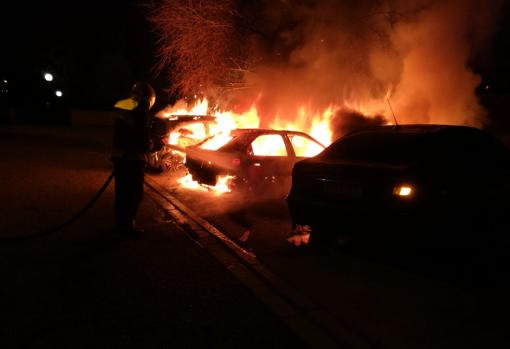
column 404, row 178
column 254, row 157
column 175, row 133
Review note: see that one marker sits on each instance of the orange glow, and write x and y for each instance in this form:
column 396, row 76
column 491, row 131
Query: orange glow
column 188, row 135
column 316, row 123
column 214, row 143
column 223, row 184
column 269, row 145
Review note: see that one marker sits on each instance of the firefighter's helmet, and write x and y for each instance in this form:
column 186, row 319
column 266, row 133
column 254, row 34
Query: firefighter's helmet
column 143, row 92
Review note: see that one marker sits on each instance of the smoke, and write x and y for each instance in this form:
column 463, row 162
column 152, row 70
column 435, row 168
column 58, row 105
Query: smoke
column 346, row 121
column 359, row 54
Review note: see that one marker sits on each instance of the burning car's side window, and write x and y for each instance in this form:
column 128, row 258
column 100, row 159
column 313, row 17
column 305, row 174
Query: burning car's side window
column 305, row 147
column 269, row 145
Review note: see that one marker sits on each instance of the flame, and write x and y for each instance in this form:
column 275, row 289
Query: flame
column 189, row 135
column 316, row 124
column 222, row 185
column 225, row 122
column 201, row 107
column 306, row 119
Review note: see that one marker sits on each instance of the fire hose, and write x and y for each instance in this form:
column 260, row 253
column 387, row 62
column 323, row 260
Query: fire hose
column 64, row 224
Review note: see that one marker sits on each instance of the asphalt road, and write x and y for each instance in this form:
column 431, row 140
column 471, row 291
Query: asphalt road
column 85, row 287
column 391, row 296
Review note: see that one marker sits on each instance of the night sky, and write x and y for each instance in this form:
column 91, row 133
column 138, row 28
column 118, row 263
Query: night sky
column 95, row 49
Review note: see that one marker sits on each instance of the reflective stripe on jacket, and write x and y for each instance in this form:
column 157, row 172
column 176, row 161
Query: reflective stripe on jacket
column 131, row 139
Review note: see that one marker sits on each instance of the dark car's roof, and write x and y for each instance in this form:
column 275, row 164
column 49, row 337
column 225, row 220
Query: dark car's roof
column 411, row 128
column 410, row 132
column 406, row 143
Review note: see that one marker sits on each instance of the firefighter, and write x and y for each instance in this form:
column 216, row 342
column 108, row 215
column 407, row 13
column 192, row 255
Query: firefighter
column 131, row 144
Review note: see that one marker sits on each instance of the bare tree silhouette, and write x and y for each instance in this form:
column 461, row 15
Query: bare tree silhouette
column 203, row 43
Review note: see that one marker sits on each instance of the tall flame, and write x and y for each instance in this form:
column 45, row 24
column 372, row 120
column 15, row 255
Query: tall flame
column 316, row 124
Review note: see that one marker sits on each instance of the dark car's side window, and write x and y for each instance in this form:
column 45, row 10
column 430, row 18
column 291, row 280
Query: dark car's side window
column 492, row 153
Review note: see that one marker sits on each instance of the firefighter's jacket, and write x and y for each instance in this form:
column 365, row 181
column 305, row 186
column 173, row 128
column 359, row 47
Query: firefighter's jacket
column 131, row 131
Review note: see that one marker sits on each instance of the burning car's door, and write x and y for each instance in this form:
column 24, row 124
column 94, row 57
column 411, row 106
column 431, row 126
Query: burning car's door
column 199, row 165
column 268, row 158
column 304, row 147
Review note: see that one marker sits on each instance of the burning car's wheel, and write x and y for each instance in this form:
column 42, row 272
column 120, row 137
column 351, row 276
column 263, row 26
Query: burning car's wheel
column 171, row 163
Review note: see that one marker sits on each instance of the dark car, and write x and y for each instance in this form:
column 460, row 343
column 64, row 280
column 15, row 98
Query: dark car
column 174, row 134
column 400, row 179
column 255, row 157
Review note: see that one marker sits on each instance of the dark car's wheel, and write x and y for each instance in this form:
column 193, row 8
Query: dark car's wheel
column 326, row 236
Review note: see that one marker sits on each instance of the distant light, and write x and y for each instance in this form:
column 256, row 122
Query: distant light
column 48, row 77
column 403, row 190
column 58, row 93
column 5, row 81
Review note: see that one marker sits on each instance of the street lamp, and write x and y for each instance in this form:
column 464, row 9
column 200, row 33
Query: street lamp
column 58, row 93
column 48, row 77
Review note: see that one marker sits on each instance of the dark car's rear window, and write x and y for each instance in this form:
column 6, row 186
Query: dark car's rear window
column 387, row 148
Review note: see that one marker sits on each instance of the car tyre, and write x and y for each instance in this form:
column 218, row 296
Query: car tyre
column 170, row 163
column 324, row 238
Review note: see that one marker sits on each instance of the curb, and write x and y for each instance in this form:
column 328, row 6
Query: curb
column 312, row 324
